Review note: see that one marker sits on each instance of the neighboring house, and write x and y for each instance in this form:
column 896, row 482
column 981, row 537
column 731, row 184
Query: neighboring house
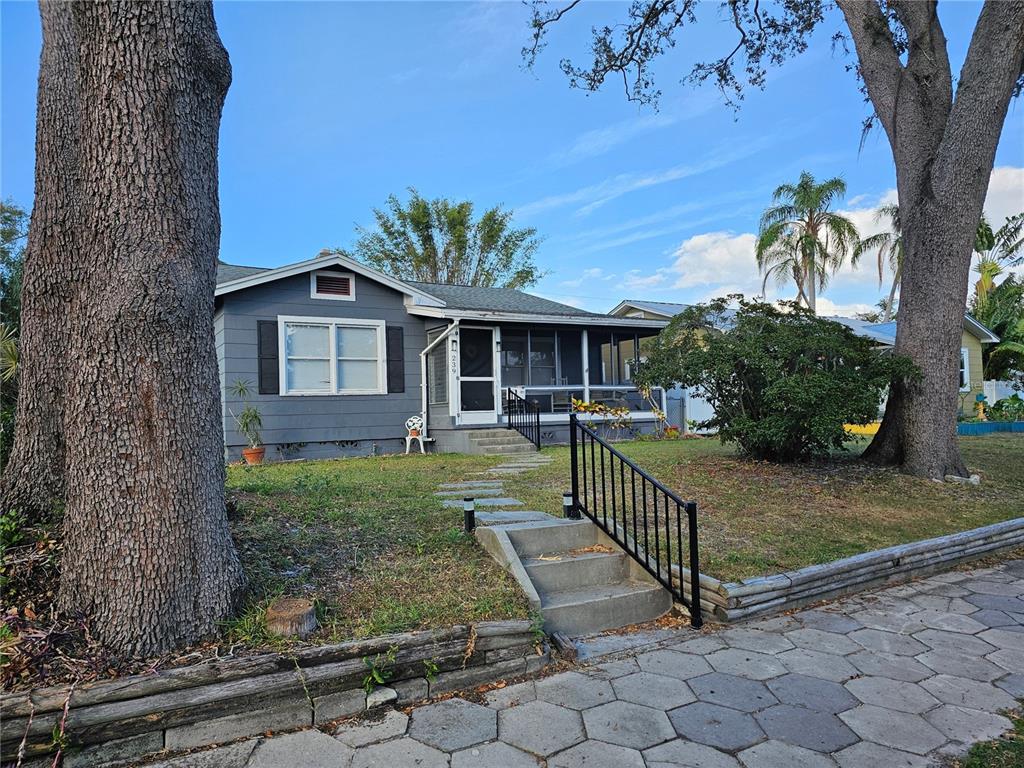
column 340, row 355
column 684, row 406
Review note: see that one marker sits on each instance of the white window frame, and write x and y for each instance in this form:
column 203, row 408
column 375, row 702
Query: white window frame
column 331, row 297
column 965, row 361
column 332, row 323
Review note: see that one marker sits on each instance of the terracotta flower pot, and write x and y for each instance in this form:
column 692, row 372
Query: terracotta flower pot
column 414, row 433
column 254, row 455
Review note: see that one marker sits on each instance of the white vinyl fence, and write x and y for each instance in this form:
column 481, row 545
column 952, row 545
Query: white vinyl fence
column 997, row 390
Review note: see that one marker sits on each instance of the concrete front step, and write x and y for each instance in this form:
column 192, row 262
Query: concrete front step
column 532, row 541
column 511, row 517
column 488, row 442
column 604, row 606
column 560, row 571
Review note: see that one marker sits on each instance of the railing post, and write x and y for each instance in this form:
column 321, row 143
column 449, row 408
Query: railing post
column 536, row 415
column 696, row 620
column 574, row 463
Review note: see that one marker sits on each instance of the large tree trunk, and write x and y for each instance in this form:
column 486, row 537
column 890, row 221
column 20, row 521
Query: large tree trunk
column 944, row 150
column 147, row 553
column 33, row 481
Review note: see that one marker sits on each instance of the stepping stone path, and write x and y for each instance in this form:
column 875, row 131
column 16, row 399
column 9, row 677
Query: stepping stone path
column 493, row 507
column 857, row 692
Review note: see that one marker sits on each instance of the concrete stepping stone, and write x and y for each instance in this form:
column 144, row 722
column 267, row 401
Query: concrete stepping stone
column 453, row 724
column 362, row 732
column 474, row 492
column 469, row 484
column 403, row 751
column 507, row 517
column 305, row 749
column 486, row 501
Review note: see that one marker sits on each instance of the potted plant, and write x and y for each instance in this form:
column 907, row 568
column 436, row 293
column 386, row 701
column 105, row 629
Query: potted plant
column 249, row 423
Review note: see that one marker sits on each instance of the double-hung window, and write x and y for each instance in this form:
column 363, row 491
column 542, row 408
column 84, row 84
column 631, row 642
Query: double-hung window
column 327, row 356
column 965, row 370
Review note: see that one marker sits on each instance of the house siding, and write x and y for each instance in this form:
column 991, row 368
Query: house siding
column 315, row 426
column 975, row 371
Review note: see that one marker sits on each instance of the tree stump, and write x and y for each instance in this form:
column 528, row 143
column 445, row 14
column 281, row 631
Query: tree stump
column 291, row 617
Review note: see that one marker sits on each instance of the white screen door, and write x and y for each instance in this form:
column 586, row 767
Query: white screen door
column 477, row 399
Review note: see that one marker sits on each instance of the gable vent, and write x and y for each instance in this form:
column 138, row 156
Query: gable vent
column 332, row 285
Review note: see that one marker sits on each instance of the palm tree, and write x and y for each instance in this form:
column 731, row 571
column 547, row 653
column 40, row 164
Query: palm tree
column 816, row 239
column 890, row 253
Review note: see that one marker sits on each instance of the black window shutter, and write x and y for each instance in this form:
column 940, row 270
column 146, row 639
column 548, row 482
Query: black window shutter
column 396, row 358
column 268, row 362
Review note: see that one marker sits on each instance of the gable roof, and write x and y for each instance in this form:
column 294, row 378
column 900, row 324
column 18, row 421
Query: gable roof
column 666, row 309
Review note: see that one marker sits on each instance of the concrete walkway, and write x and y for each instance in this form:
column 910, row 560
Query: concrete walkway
column 898, row 678
column 493, row 507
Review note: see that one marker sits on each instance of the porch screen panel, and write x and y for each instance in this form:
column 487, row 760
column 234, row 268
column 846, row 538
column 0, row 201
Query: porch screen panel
column 477, row 395
column 625, row 354
column 542, row 359
column 600, row 354
column 476, row 352
column 513, row 359
column 570, row 358
column 437, row 373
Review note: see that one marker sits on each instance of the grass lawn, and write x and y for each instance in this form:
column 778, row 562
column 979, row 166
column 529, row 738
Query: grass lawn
column 757, row 518
column 367, row 540
column 1006, row 752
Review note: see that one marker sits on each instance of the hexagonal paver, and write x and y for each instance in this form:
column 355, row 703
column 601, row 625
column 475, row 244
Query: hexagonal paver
column 716, row 726
column 968, row 693
column 612, row 669
column 493, row 754
column 820, row 640
column 818, row 664
column 731, row 691
column 967, row 726
column 961, row 665
column 997, row 603
column 867, row 755
column 358, row 733
column 888, row 621
column 898, row 730
column 573, row 690
column 987, row 587
column 511, row 695
column 594, row 754
column 540, row 727
column 1012, row 684
column 628, row 725
column 820, row 731
column 673, row 664
column 888, row 642
column 950, row 622
column 953, row 641
column 700, row 645
column 992, row 618
column 679, row 752
column 777, row 753
column 749, row 664
column 404, row 751
column 756, row 640
column 308, row 748
column 1011, row 661
column 890, row 665
column 892, row 694
column 829, row 621
column 653, row 690
column 812, row 692
column 453, row 724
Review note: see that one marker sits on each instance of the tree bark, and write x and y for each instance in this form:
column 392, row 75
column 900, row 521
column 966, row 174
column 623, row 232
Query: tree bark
column 33, row 481
column 944, row 150
column 147, row 552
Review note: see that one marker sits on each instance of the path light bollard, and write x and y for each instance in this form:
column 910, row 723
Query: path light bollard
column 568, row 508
column 469, row 514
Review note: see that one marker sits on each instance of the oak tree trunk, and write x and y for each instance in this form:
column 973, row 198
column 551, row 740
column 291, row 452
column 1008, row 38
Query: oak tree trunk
column 147, row 552
column 944, row 150
column 33, row 481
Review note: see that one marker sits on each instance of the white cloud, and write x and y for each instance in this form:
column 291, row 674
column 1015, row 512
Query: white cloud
column 635, row 279
column 600, row 140
column 594, row 273
column 827, row 308
column 717, row 259
column 1005, row 194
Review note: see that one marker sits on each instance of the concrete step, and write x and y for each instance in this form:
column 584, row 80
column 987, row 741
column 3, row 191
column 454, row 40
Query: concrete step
column 560, row 571
column 536, row 540
column 499, row 440
column 605, row 606
column 511, row 517
column 508, row 450
column 490, row 432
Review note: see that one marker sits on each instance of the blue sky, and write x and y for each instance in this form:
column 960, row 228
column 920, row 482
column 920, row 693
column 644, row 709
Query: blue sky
column 336, row 105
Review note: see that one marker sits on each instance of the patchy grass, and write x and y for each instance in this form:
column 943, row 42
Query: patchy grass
column 366, row 540
column 758, row 518
column 1004, row 752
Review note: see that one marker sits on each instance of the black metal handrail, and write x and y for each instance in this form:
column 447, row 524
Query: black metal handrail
column 640, row 510
column 523, row 417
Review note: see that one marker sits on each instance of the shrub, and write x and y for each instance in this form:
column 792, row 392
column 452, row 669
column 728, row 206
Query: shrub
column 1008, row 409
column 783, row 382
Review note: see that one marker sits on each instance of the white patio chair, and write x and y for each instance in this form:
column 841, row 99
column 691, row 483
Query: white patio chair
column 414, row 431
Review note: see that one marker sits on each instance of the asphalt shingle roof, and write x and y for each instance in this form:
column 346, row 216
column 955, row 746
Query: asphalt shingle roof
column 478, row 299
column 228, row 272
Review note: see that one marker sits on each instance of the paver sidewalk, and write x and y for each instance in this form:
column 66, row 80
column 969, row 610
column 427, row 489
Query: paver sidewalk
column 897, row 678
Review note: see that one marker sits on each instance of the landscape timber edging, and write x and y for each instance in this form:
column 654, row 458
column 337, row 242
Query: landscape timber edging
column 217, row 701
column 727, row 602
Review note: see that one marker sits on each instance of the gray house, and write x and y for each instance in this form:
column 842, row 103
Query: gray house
column 340, row 355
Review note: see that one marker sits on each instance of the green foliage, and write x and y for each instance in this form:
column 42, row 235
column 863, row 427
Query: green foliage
column 12, row 525
column 1008, row 409
column 249, row 421
column 439, row 241
column 783, row 382
column 430, row 669
column 379, row 669
column 1004, row 752
column 1002, row 311
column 13, row 229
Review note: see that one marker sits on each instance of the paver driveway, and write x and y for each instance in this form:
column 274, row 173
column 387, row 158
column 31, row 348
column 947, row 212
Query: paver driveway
column 892, row 679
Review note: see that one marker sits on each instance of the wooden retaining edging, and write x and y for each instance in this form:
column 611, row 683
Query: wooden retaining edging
column 221, row 700
column 732, row 601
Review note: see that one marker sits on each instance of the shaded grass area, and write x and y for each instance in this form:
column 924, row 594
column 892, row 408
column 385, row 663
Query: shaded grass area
column 1004, row 752
column 757, row 518
column 366, row 539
